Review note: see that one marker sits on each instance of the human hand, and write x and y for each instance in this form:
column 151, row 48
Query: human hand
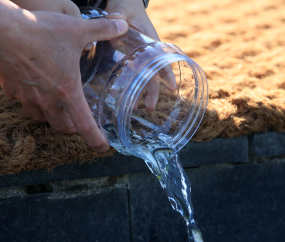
column 133, row 11
column 39, row 66
column 60, row 6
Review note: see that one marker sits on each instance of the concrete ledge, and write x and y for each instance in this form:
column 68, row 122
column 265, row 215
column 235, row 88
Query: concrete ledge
column 267, row 144
column 76, row 211
column 109, row 166
column 217, row 151
column 236, row 197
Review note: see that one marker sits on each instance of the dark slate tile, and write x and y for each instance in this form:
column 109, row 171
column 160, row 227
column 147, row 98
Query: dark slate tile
column 98, row 217
column 108, row 166
column 267, row 144
column 237, row 203
column 152, row 217
column 216, row 151
column 240, row 203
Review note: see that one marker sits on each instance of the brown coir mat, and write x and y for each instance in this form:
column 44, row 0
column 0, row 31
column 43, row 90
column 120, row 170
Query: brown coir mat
column 239, row 44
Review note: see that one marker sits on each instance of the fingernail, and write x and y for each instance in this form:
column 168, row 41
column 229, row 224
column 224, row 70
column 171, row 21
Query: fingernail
column 104, row 149
column 149, row 103
column 122, row 25
column 115, row 14
column 89, row 46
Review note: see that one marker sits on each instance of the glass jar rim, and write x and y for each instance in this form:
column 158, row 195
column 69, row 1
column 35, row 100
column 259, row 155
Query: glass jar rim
column 184, row 133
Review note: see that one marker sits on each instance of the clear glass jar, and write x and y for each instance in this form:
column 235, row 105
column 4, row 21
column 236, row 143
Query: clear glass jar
column 139, row 89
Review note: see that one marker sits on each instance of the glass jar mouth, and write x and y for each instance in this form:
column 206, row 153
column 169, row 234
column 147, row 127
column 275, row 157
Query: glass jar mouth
column 194, row 116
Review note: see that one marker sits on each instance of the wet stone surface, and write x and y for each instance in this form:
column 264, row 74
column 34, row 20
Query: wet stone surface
column 60, row 217
column 231, row 203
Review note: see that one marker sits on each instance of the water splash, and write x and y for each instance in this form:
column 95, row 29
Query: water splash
column 164, row 163
column 195, row 235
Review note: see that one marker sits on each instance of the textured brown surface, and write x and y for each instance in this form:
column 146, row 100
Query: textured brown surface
column 28, row 145
column 239, row 44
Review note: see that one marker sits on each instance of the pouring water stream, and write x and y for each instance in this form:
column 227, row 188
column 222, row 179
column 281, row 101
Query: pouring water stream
column 163, row 161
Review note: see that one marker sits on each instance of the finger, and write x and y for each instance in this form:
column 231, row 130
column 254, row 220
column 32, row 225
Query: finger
column 136, row 19
column 168, row 77
column 34, row 112
column 71, row 9
column 152, row 93
column 117, row 14
column 88, row 47
column 10, row 92
column 125, row 9
column 118, row 10
column 59, row 120
column 85, row 124
column 103, row 29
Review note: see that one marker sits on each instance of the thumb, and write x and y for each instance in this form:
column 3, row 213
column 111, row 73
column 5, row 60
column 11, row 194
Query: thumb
column 125, row 9
column 103, row 29
column 118, row 10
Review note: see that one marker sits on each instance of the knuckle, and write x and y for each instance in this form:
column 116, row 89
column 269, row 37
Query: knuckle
column 68, row 128
column 84, row 127
column 62, row 93
column 70, row 131
column 57, row 128
column 37, row 118
column 106, row 27
column 70, row 84
column 66, row 93
column 23, row 99
column 43, row 102
column 40, row 120
column 63, row 126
